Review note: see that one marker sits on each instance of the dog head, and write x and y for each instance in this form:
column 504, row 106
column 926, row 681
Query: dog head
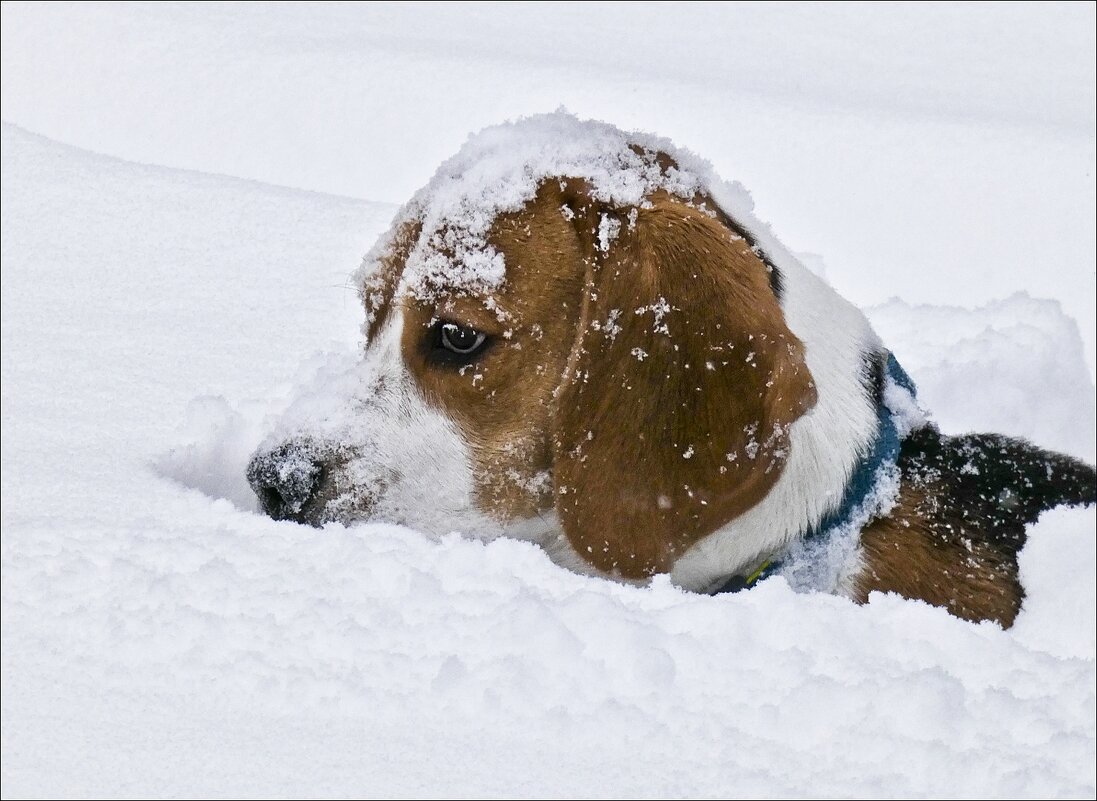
column 570, row 339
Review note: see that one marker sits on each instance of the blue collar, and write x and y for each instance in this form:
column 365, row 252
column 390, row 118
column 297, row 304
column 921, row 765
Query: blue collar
column 883, row 453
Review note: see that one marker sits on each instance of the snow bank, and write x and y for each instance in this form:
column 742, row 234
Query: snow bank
column 941, row 153
column 1012, row 366
column 160, row 638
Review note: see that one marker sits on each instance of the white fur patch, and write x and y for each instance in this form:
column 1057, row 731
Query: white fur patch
column 393, row 457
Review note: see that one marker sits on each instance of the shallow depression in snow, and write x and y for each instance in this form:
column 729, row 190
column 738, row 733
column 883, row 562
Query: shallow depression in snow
column 214, row 447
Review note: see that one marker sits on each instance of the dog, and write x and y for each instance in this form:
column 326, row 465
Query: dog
column 583, row 338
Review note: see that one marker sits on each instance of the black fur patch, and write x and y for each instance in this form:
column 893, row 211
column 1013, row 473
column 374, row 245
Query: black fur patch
column 874, row 366
column 989, row 487
column 776, row 280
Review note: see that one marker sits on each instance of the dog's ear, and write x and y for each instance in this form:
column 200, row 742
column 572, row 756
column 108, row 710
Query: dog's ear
column 674, row 411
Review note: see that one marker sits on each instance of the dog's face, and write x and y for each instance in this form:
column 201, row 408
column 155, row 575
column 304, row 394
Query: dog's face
column 628, row 384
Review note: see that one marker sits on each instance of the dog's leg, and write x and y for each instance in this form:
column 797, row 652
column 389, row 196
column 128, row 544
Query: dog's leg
column 953, row 538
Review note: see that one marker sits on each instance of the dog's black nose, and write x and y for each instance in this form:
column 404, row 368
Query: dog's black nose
column 285, row 479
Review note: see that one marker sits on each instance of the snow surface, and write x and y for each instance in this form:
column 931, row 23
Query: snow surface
column 160, row 638
column 932, row 152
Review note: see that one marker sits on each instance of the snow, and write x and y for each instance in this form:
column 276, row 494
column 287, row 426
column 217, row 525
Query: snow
column 160, row 638
column 963, row 133
column 977, row 380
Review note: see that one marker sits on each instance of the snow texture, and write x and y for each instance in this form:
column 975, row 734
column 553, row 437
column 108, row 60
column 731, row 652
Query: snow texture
column 934, row 153
column 162, row 639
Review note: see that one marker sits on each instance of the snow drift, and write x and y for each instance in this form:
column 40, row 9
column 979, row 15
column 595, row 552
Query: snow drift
column 962, row 134
column 160, row 637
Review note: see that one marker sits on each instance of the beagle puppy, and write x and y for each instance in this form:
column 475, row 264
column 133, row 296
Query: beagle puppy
column 583, row 338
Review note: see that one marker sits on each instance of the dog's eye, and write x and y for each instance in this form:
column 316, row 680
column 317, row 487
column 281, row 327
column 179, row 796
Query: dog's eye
column 450, row 343
column 461, row 339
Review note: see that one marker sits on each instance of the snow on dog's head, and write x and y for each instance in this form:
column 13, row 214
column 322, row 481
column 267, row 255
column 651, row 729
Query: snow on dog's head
column 574, row 335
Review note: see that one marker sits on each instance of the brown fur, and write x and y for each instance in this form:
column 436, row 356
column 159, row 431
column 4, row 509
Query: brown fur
column 657, row 447
column 503, row 403
column 921, row 554
column 377, row 293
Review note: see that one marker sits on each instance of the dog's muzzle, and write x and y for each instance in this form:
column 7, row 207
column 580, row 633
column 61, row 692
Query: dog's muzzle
column 286, row 479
